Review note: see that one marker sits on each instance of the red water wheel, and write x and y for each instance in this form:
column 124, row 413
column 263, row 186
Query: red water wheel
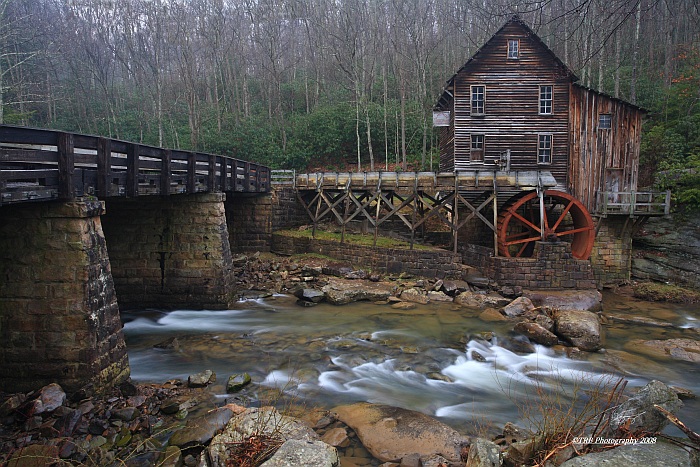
column 521, row 224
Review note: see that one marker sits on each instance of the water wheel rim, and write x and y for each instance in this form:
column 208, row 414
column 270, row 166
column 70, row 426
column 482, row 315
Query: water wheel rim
column 519, row 225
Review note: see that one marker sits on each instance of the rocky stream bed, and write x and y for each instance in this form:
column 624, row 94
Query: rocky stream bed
column 181, row 422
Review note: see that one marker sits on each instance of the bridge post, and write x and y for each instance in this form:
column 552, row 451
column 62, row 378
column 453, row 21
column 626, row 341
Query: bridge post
column 59, row 318
column 170, row 251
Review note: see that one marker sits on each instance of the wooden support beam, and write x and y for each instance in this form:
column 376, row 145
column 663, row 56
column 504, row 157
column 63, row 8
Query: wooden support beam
column 211, row 172
column 66, row 166
column 191, row 172
column 166, row 172
column 132, row 170
column 104, row 167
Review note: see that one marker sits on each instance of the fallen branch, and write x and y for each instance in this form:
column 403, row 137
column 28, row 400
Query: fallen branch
column 694, row 437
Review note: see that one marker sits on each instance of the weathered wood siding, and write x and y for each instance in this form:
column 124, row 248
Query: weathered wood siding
column 602, row 159
column 446, row 142
column 511, row 117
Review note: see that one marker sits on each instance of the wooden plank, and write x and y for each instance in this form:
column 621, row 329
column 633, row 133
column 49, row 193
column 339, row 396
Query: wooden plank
column 132, row 170
column 66, row 166
column 166, row 172
column 211, row 174
column 191, row 172
column 104, row 167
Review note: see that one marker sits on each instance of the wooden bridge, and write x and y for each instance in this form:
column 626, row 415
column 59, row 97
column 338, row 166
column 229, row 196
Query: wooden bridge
column 39, row 165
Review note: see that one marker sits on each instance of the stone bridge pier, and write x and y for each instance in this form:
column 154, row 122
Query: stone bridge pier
column 66, row 269
column 59, row 318
column 170, row 252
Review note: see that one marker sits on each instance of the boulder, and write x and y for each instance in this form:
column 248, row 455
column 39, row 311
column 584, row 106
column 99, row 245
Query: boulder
column 310, row 295
column 414, row 295
column 639, row 414
column 198, row 431
column 257, row 421
column 34, row 455
column 518, row 307
column 660, row 453
column 484, row 453
column 337, row 437
column 202, row 379
column 589, row 300
column 581, row 328
column 536, row 333
column 341, row 292
column 392, row 433
column 237, row 382
column 301, row 453
column 438, row 297
column 47, row 399
column 679, row 349
column 492, row 314
column 454, row 287
column 480, row 300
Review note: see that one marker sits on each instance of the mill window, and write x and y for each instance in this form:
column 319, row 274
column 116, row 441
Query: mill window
column 544, row 149
column 477, row 151
column 513, row 48
column 546, row 100
column 605, row 122
column 478, row 97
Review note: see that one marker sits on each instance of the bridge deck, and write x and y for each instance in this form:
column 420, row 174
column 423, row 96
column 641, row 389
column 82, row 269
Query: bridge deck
column 478, row 180
column 37, row 165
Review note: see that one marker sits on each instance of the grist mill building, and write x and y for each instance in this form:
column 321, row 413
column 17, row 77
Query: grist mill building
column 513, row 107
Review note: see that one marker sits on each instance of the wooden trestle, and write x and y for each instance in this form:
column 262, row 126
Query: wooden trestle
column 415, row 197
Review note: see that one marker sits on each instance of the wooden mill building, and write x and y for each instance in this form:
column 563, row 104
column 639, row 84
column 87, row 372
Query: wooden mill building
column 515, row 106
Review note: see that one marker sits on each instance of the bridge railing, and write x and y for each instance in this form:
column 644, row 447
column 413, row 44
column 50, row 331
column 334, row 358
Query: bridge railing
column 38, row 164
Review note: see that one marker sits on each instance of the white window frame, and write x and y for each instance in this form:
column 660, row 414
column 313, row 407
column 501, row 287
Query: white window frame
column 513, row 52
column 472, row 90
column 608, row 119
column 472, row 149
column 545, row 105
column 545, row 144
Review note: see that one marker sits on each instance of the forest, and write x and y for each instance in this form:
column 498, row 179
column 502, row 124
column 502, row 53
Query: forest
column 303, row 84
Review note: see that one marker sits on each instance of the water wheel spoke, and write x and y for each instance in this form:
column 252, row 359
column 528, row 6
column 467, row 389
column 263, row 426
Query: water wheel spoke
column 523, row 240
column 563, row 215
column 526, row 222
column 572, row 231
column 518, row 235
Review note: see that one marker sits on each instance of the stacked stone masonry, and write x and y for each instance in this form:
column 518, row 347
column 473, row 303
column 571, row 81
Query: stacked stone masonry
column 170, row 252
column 427, row 263
column 551, row 267
column 249, row 219
column 59, row 318
column 612, row 251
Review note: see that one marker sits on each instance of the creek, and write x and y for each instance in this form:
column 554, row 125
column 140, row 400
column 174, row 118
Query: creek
column 439, row 359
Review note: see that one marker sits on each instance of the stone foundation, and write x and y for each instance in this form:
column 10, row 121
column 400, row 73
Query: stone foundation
column 439, row 264
column 249, row 218
column 612, row 252
column 59, row 318
column 170, row 252
column 551, row 267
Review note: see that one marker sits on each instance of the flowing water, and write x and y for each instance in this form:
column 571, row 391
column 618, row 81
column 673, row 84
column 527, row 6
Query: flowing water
column 440, row 359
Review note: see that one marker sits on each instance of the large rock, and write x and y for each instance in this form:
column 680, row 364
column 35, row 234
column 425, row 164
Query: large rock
column 310, row 295
column 589, row 300
column 257, row 421
column 679, row 349
column 484, row 453
column 639, row 414
column 392, row 433
column 581, row 328
column 304, row 454
column 454, row 287
column 47, row 399
column 414, row 295
column 198, row 431
column 659, row 454
column 481, row 300
column 517, row 307
column 536, row 333
column 341, row 292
